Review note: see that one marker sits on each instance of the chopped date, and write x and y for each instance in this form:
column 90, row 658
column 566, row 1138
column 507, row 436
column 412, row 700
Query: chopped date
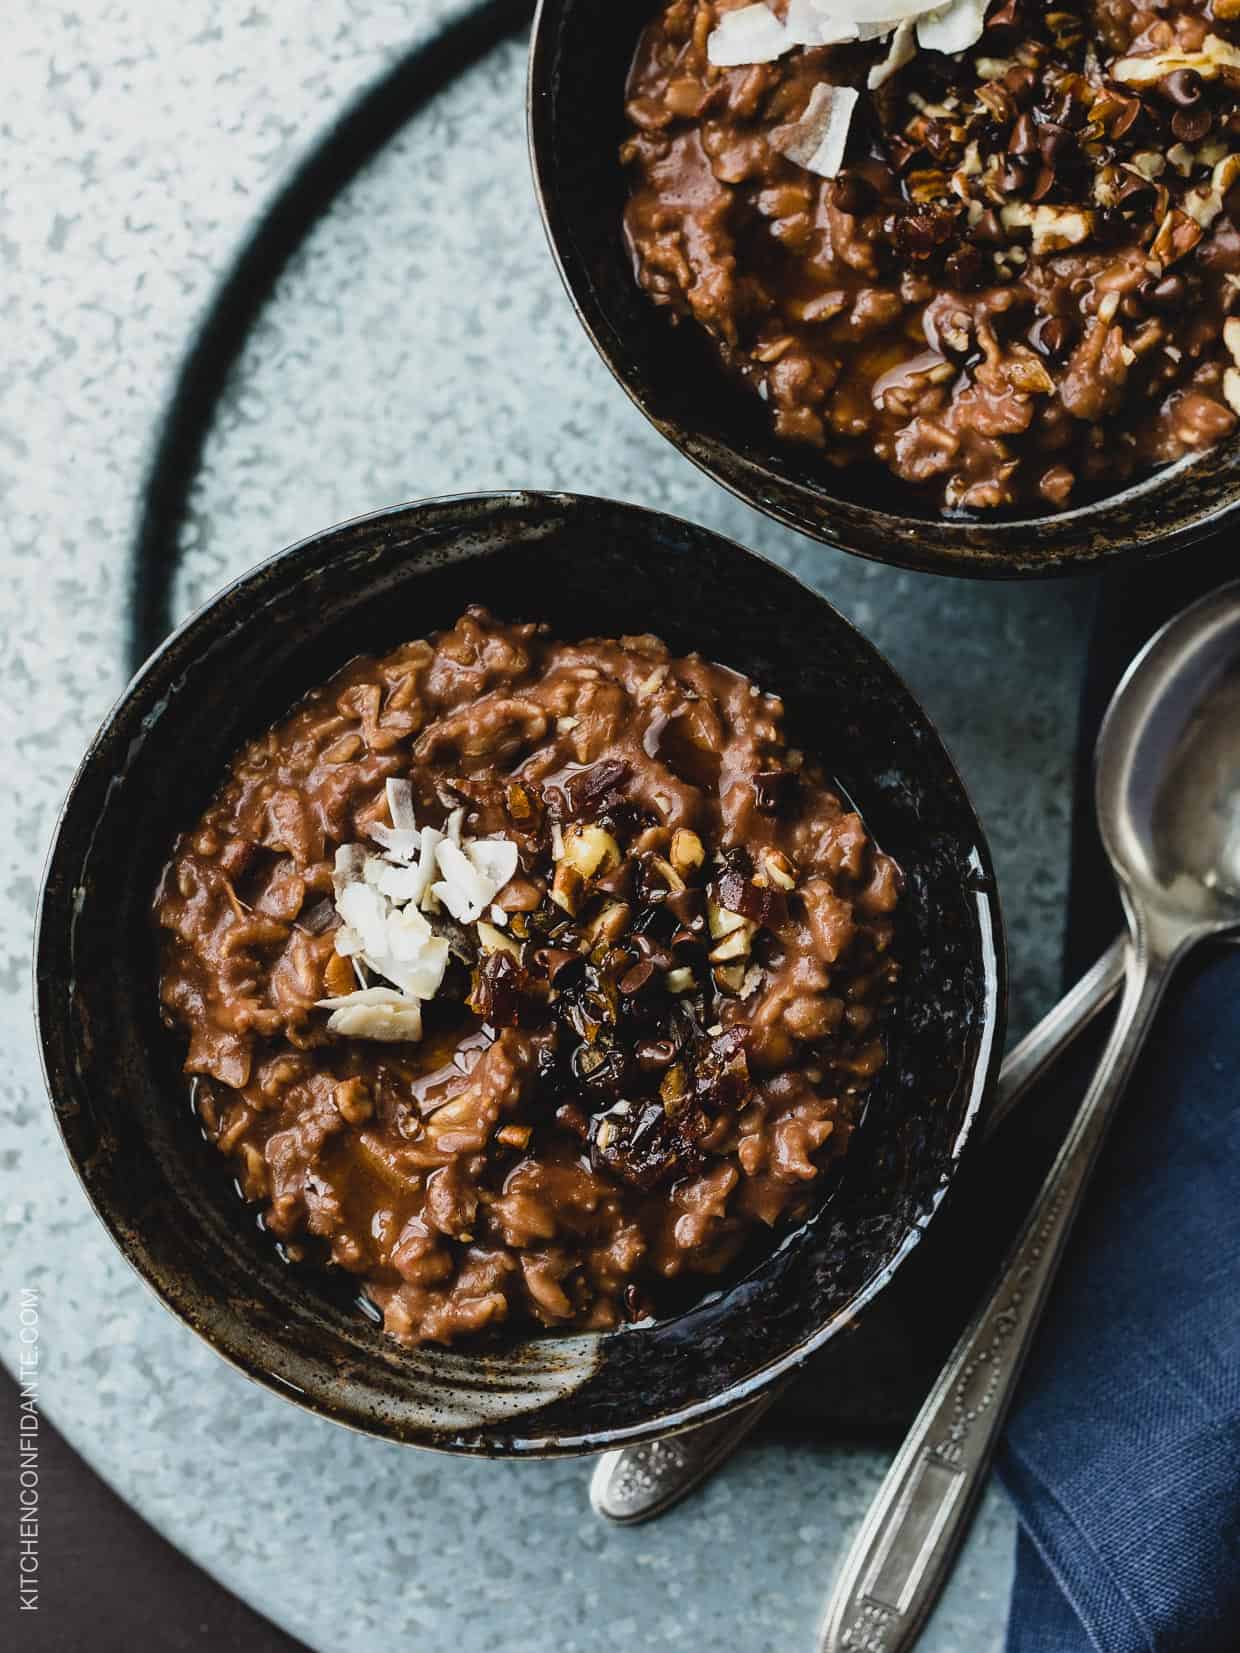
column 735, row 890
column 590, row 791
column 643, row 1146
column 504, row 994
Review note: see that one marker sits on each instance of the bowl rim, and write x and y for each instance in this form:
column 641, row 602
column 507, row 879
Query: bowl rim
column 55, row 907
column 899, row 533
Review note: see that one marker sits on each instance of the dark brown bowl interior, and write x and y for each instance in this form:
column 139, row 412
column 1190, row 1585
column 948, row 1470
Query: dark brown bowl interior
column 579, row 57
column 585, row 566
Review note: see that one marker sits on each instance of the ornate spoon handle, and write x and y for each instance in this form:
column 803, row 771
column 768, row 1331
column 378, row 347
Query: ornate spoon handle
column 640, row 1482
column 896, row 1567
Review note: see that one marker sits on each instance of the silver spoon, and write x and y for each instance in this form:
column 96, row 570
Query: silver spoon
column 637, row 1483
column 1167, row 795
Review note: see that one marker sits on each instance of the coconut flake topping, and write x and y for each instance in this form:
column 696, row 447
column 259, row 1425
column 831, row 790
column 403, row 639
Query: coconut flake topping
column 817, row 140
column 382, row 900
column 754, row 34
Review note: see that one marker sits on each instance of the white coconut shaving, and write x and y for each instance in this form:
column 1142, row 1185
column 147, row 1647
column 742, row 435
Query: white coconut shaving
column 375, row 1013
column 952, row 28
column 754, row 34
column 400, row 840
column 817, row 141
column 382, row 900
column 901, row 49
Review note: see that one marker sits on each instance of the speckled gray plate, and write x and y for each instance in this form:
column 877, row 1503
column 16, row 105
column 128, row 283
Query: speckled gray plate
column 579, row 58
column 113, row 1073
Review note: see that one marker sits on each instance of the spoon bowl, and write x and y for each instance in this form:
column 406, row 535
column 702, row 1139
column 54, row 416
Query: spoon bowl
column 1167, row 783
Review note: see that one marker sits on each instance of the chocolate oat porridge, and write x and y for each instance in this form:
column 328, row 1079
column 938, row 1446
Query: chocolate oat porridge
column 525, row 979
column 995, row 248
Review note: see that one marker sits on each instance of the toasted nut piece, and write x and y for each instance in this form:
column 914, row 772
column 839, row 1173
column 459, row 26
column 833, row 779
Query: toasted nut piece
column 1231, row 337
column 1215, row 54
column 730, row 977
column 779, row 870
column 687, row 850
column 1231, row 388
column 605, row 1134
column 735, row 945
column 611, row 923
column 721, row 921
column 254, row 1173
column 675, row 883
column 343, row 750
column 590, row 849
column 1054, row 228
column 353, row 1101
column 338, row 977
column 567, row 888
column 672, row 1086
column 648, row 687
column 513, row 1136
column 679, row 980
column 493, row 940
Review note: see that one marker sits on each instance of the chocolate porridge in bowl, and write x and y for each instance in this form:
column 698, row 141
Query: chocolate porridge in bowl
column 529, row 981
column 993, row 248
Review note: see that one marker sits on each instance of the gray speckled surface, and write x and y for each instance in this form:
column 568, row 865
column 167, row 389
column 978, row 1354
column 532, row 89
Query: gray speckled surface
column 421, row 344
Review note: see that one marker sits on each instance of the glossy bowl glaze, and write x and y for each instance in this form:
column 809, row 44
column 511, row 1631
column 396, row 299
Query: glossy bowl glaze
column 113, row 1072
column 579, row 57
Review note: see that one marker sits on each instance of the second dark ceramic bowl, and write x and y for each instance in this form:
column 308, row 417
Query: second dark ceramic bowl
column 579, row 58
column 113, row 1071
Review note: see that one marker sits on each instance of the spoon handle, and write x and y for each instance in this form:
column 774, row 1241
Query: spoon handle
column 637, row 1483
column 900, row 1558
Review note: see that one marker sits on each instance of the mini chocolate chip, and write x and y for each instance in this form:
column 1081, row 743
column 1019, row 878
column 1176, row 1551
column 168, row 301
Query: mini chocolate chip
column 1130, row 305
column 654, row 952
column 772, row 789
column 1024, row 139
column 686, row 906
column 1071, row 112
column 853, row 194
column 570, row 1116
column 1054, row 336
column 1191, row 125
column 989, row 230
column 901, row 153
column 635, row 979
column 555, row 961
column 1136, row 194
column 655, row 1054
column 1167, row 294
column 1055, row 142
column 1126, row 118
column 963, row 268
column 1044, row 183
column 1016, row 175
column 617, row 882
column 1181, row 87
column 1021, row 84
column 1110, row 225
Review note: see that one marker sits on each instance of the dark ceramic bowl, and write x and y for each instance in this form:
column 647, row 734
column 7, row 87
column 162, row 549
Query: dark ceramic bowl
column 585, row 566
column 579, row 58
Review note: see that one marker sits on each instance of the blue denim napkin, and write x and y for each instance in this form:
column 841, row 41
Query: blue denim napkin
column 1123, row 1450
column 1122, row 1453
